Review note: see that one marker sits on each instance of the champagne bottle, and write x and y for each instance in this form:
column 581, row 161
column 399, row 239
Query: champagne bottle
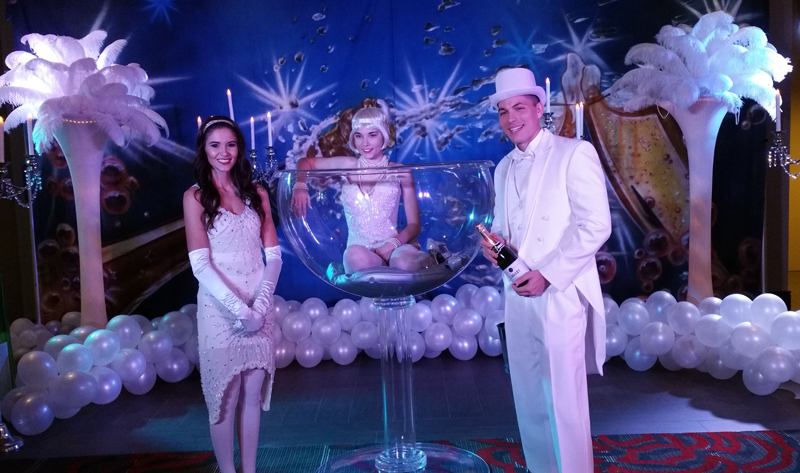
column 507, row 259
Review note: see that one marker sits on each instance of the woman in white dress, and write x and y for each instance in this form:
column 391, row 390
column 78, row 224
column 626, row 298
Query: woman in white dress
column 228, row 225
column 371, row 200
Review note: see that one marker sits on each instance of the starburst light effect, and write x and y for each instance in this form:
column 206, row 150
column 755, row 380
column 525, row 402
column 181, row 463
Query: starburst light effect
column 584, row 46
column 160, row 8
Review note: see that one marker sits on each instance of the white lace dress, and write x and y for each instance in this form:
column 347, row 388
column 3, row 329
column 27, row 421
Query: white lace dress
column 236, row 254
column 371, row 216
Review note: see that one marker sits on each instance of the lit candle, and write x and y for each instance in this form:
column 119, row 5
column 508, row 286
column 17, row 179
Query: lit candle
column 2, row 142
column 580, row 130
column 30, row 135
column 230, row 106
column 577, row 120
column 547, row 93
column 778, row 102
column 199, row 122
column 252, row 134
column 269, row 129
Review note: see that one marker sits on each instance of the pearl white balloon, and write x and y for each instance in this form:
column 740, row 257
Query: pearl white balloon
column 419, row 317
column 74, row 357
column 467, row 323
column 486, row 300
column 296, row 326
column 731, row 358
column 11, row 398
column 177, row 325
column 682, row 317
column 36, row 369
column 109, row 384
column 364, row 335
column 175, row 367
column 18, row 325
column 749, row 339
column 444, row 308
column 616, row 341
column 155, row 346
column 765, row 308
column 463, row 348
column 127, row 329
column 488, row 345
column 308, row 353
column 668, row 362
column 496, row 317
column 375, row 352
column 72, row 318
column 104, row 345
column 755, row 382
column 144, row 383
column 776, row 364
column 416, row 345
column 709, row 305
column 657, row 305
column 144, row 323
column 735, row 309
column 716, row 367
column 611, row 310
column 636, row 358
column 53, row 326
column 326, row 330
column 785, row 330
column 369, row 312
column 432, row 353
column 633, row 317
column 438, row 336
column 464, row 295
column 688, row 352
column 192, row 349
column 32, row 415
column 348, row 313
column 280, row 309
column 284, row 353
column 314, row 308
column 712, row 331
column 190, row 310
column 26, row 338
column 73, row 390
column 129, row 364
column 657, row 338
column 342, row 351
column 82, row 332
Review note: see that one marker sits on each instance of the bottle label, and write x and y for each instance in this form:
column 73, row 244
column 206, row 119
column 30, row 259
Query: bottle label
column 516, row 269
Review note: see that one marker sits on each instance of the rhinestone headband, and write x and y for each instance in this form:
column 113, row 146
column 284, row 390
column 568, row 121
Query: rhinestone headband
column 213, row 122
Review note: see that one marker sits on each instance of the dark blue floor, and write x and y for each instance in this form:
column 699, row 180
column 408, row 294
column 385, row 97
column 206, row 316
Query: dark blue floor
column 332, row 404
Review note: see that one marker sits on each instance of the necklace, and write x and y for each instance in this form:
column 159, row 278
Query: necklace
column 364, row 163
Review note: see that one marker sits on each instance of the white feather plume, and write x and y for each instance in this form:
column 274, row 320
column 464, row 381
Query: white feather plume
column 68, row 76
column 715, row 58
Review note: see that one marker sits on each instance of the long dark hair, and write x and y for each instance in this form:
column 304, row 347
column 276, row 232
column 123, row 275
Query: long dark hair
column 241, row 174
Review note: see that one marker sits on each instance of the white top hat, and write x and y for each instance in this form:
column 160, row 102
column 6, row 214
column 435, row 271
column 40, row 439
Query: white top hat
column 513, row 82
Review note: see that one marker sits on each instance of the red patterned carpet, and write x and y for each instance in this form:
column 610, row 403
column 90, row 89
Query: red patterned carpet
column 725, row 452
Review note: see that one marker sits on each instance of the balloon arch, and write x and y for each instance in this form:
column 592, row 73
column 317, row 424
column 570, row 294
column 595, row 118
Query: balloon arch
column 63, row 366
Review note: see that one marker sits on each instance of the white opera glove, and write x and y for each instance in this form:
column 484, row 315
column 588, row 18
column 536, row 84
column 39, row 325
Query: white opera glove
column 269, row 279
column 208, row 277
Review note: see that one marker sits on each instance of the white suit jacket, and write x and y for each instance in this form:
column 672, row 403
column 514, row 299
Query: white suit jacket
column 568, row 221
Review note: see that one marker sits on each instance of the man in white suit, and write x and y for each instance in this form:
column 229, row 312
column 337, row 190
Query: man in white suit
column 551, row 206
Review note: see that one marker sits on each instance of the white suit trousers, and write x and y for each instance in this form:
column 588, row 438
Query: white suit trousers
column 545, row 338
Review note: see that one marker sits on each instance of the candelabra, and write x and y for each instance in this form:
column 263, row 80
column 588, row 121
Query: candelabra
column 778, row 155
column 263, row 171
column 548, row 122
column 22, row 195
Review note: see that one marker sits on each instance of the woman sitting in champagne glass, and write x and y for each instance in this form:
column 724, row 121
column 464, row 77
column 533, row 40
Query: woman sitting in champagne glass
column 371, row 199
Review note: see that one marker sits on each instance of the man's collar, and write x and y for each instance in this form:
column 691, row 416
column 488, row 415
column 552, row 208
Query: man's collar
column 529, row 154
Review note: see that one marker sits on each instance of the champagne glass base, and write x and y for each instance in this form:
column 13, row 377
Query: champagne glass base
column 436, row 458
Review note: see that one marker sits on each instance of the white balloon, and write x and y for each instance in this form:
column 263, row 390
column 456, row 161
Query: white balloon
column 18, row 325
column 348, row 313
column 109, row 384
column 364, row 335
column 296, row 327
column 496, row 317
column 616, row 341
column 688, row 352
column 72, row 318
column 749, row 339
column 74, row 357
column 155, row 346
column 129, row 364
column 657, row 305
column 177, row 325
column 463, row 348
column 144, row 323
column 343, row 351
column 444, row 308
column 765, row 308
column 657, row 338
column 486, row 300
column 416, row 346
column 308, row 353
column 281, row 309
column 326, row 330
column 467, row 323
column 175, row 367
column 735, row 309
column 633, row 316
column 36, row 369
column 636, row 358
column 682, row 317
column 314, row 308
column 284, row 353
column 755, row 382
column 709, row 305
column 369, row 312
column 731, row 358
column 776, row 364
column 127, row 329
column 464, row 295
column 419, row 317
column 32, row 415
column 144, row 383
column 712, row 331
column 785, row 330
column 438, row 337
column 488, row 345
column 104, row 345
column 192, row 349
column 611, row 310
column 668, row 362
column 716, row 367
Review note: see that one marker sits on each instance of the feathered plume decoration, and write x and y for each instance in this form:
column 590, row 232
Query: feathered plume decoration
column 715, row 58
column 68, row 76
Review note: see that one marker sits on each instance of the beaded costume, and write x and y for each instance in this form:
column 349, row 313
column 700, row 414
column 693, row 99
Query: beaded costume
column 235, row 242
column 371, row 215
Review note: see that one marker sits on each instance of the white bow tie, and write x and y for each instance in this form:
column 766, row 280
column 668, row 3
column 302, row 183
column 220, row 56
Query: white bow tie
column 519, row 155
